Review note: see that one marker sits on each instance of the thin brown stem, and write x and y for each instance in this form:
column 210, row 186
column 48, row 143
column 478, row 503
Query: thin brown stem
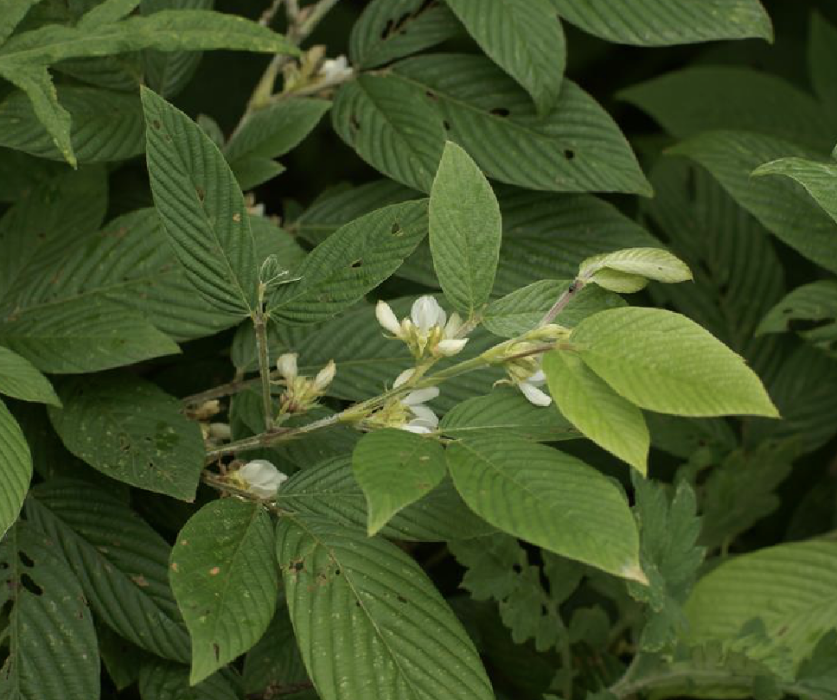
column 571, row 292
column 260, row 324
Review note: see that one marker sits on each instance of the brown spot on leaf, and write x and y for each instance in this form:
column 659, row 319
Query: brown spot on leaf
column 215, row 570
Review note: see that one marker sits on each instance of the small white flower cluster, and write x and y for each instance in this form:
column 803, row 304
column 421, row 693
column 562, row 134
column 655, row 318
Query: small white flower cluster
column 529, row 387
column 301, row 393
column 259, row 477
column 421, row 419
column 427, row 331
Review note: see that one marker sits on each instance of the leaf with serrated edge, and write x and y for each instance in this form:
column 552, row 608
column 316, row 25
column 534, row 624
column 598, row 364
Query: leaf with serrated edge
column 524, row 38
column 609, row 420
column 667, row 22
column 51, row 651
column 201, row 206
column 17, row 468
column 25, row 57
column 224, row 580
column 369, row 622
column 121, row 562
column 395, row 468
column 548, row 498
column 791, row 588
column 665, row 362
column 465, row 230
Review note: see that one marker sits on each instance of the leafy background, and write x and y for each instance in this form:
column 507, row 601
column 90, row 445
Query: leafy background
column 700, row 118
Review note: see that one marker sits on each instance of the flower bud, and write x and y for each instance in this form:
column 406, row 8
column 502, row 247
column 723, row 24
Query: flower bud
column 325, row 376
column 286, row 364
column 387, row 318
column 450, row 346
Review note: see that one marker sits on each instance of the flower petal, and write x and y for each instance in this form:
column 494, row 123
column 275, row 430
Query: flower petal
column 427, row 313
column 424, row 416
column 535, row 395
column 420, row 396
column 387, row 318
column 451, row 346
column 537, row 378
column 420, row 429
column 403, row 377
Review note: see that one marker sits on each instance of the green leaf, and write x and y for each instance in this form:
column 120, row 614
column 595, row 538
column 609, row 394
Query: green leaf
column 25, row 57
column 598, row 412
column 20, row 380
column 347, row 592
column 738, row 275
column 168, row 72
column 121, row 562
column 498, row 568
column 523, row 309
column 329, row 489
column 340, row 205
column 817, row 676
column 269, row 133
column 791, row 588
column 649, row 263
column 13, row 13
column 705, row 98
column 577, row 147
column 805, row 391
column 620, row 282
column 395, row 468
column 664, row 362
column 505, row 410
column 161, row 680
column 669, row 529
column 201, row 207
column 83, row 335
column 667, row 22
column 51, row 215
column 822, row 60
column 524, row 38
column 548, row 498
column 390, row 29
column 106, row 12
column 391, row 128
column 350, row 263
column 741, row 490
column 51, row 651
column 547, row 237
column 785, row 210
column 106, row 125
column 819, row 178
column 465, row 231
column 17, row 469
column 224, row 581
column 811, row 311
column 132, row 431
column 275, row 659
column 130, row 265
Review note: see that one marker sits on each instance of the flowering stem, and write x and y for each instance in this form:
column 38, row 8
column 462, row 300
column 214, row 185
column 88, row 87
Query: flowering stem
column 569, row 294
column 260, row 324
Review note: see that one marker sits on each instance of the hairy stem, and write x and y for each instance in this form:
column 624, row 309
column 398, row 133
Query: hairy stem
column 260, row 324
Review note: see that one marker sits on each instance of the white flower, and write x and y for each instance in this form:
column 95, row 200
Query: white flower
column 423, row 419
column 325, row 376
column 530, row 389
column 427, row 313
column 262, row 479
column 335, row 69
column 427, row 330
column 286, row 364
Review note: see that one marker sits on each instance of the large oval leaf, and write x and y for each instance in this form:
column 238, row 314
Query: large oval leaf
column 131, row 430
column 121, row 562
column 548, row 498
column 791, row 588
column 368, row 620
column 665, row 362
column 224, row 580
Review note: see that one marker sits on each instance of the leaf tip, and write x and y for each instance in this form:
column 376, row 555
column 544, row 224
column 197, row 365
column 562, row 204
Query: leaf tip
column 633, row 571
